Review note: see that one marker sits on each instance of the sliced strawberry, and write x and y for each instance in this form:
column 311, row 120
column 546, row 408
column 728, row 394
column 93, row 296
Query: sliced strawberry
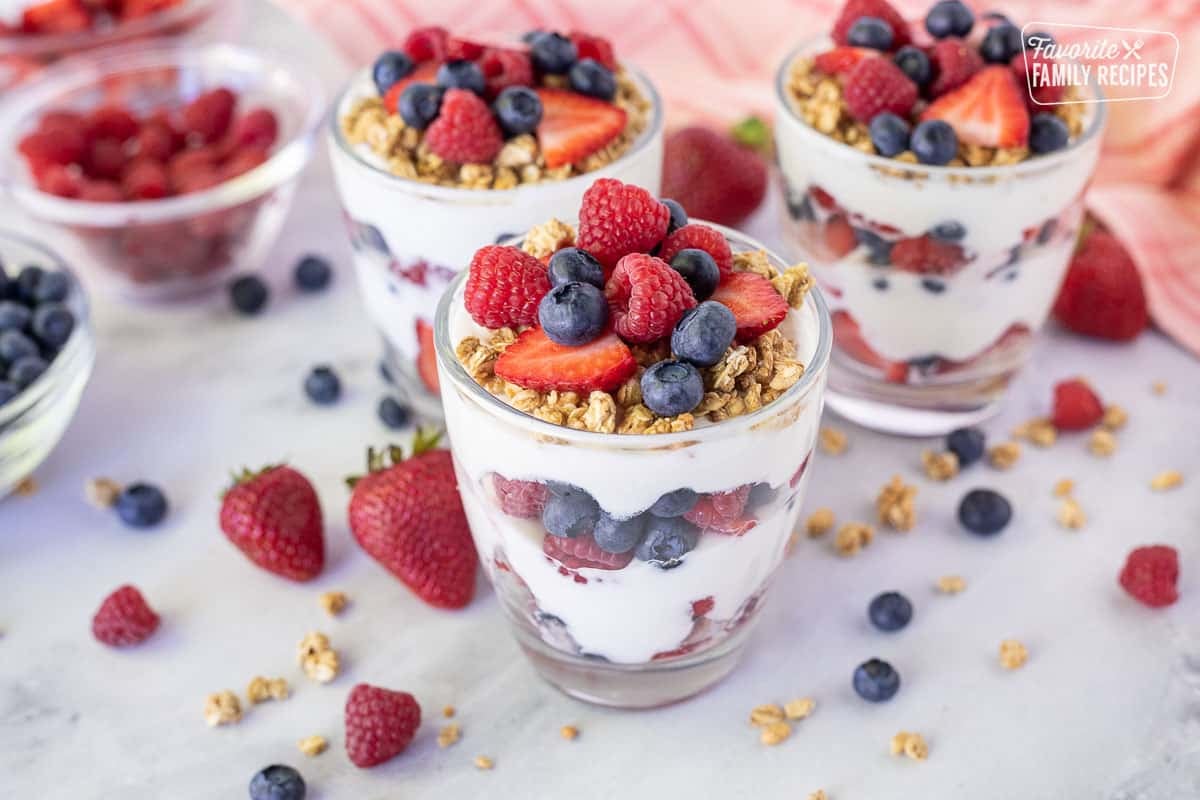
column 56, row 16
column 926, row 255
column 703, row 607
column 580, row 552
column 841, row 60
column 535, row 362
column 851, row 342
column 824, row 199
column 987, row 110
column 424, row 73
column 574, row 126
column 755, row 303
column 427, row 357
column 838, row 237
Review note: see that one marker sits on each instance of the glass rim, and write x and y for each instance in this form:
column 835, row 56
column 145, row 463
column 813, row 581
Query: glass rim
column 813, row 372
column 1036, row 164
column 434, row 191
column 41, row 44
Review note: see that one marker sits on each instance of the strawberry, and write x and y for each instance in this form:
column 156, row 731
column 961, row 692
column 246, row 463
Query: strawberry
column 596, row 48
column 713, row 177
column 104, row 159
column 755, row 304
column 954, row 63
column 850, row 341
column 523, row 499
column 840, row 60
column 110, row 122
column 1076, row 406
column 427, row 357
column 504, row 286
column 61, row 146
column 582, row 551
column 209, row 115
column 1039, row 95
column 427, row 44
column 987, row 110
column 722, row 512
column 155, row 141
column 853, row 9
column 273, row 516
column 408, row 516
column 465, row 131
column 646, row 298
column 838, row 237
column 258, row 128
column 124, row 619
column 1102, row 294
column 380, row 723
column 574, row 126
column 616, row 219
column 534, row 361
column 423, row 73
column 876, row 85
column 146, row 179
column 503, row 68
column 926, row 255
column 55, row 16
column 699, row 237
column 101, row 192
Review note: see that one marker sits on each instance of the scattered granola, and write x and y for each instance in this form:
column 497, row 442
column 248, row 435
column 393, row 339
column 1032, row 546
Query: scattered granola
column 819, row 794
column 26, row 487
column 820, row 522
column 222, row 708
column 1070, row 514
column 1004, row 455
column 569, row 732
column 852, row 537
column 800, row 708
column 951, row 584
column 1013, row 654
column 832, row 441
column 939, row 466
column 1114, row 418
column 548, row 238
column 1159, row 387
column 896, row 505
column 449, row 711
column 263, row 689
column 318, row 659
column 102, row 492
column 1166, row 480
column 911, row 745
column 1038, row 431
column 334, row 603
column 1063, row 487
column 448, row 735
column 774, row 733
column 766, row 714
column 1102, row 443
column 483, row 762
column 312, row 745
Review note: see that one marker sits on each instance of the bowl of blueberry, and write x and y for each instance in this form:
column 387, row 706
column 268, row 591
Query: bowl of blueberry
column 46, row 354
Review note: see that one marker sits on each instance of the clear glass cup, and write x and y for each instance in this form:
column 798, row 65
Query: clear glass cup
column 634, row 633
column 918, row 352
column 409, row 238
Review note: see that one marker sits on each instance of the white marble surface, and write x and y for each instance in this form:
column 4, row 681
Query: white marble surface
column 1106, row 707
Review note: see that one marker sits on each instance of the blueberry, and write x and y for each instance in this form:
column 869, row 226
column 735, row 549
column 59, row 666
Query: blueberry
column 870, row 32
column 26, row 370
column 14, row 316
column 1001, row 43
column 322, row 385
column 984, row 512
column 249, row 294
column 966, row 443
column 385, row 372
column 277, row 782
column 52, row 288
column 800, row 207
column 52, row 324
column 462, row 74
column 890, row 611
column 672, row 387
column 699, row 269
column 667, row 540
column 879, row 250
column 389, row 68
column 528, row 36
column 674, row 504
column 875, row 680
column 1048, row 229
column 312, row 273
column 27, row 282
column 7, row 392
column 760, row 495
column 1047, row 133
column 393, row 413
column 913, row 62
column 934, row 142
column 141, row 505
column 419, row 105
column 618, row 535
column 679, row 216
column 15, row 345
column 949, row 18
column 1035, row 39
column 703, row 334
column 881, row 284
column 949, row 231
column 573, row 314
column 933, row 285
column 572, row 512
column 518, row 109
column 552, row 53
column 571, row 265
column 889, row 134
column 591, row 78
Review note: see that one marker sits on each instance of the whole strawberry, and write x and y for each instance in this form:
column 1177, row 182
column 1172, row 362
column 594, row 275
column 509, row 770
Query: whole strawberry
column 1102, row 294
column 713, row 177
column 380, row 723
column 408, row 516
column 273, row 516
column 124, row 619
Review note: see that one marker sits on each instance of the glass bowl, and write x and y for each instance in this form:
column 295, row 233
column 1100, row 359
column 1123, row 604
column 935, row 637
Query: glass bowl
column 181, row 245
column 32, row 423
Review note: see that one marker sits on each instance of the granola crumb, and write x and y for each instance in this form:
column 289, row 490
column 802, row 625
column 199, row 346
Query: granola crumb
column 547, row 238
column 939, row 466
column 1013, row 654
column 766, row 714
column 102, row 492
column 1063, row 487
column 1038, row 431
column 1166, row 480
column 774, row 733
column 1070, row 514
column 483, row 762
column 896, row 505
column 261, row 689
column 1114, row 418
column 334, row 603
column 27, row 487
column 915, row 747
column 569, row 732
column 819, row 794
column 852, row 537
column 449, row 711
column 222, row 708
column 800, row 708
column 819, row 523
column 1004, row 455
column 312, row 745
column 951, row 584
column 318, row 659
column 833, row 441
column 448, row 735
column 1159, row 387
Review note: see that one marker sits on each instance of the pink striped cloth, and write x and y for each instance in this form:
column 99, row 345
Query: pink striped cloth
column 714, row 60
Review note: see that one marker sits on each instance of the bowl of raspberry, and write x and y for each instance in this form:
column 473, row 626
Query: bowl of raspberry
column 937, row 194
column 168, row 168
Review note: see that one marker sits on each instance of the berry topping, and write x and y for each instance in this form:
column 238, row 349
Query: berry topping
column 52, row 324
column 674, row 504
column 699, row 270
column 15, row 345
column 24, row 371
column 460, row 49
column 207, row 117
column 723, row 511
column 423, row 74
column 878, row 85
column 379, row 724
column 1047, row 133
column 518, row 109
column 1000, row 43
column 672, row 387
column 572, row 264
column 419, row 105
column 248, row 294
column 465, row 131
column 391, row 66
column 583, row 552
column 392, row 413
column 927, row 256
column 461, row 75
column 322, row 385
column 984, row 512
column 14, row 315
column 1037, row 96
column 679, row 217
column 536, row 362
column 273, row 516
column 312, row 273
column 646, row 297
column 590, row 78
column 667, row 541
column 934, row 142
column 712, row 176
column 889, row 134
column 987, row 110
column 523, row 499
column 141, row 505
column 954, row 63
column 966, row 443
column 949, row 231
column 594, row 47
column 573, row 314
column 573, row 126
column 949, row 18
column 876, row 681
column 880, row 9
column 570, row 512
column 552, row 53
column 755, row 304
column 890, row 611
column 1150, row 575
column 840, row 60
column 870, row 32
column 503, row 68
column 1076, row 406
column 1102, row 295
column 277, row 782
column 618, row 535
column 914, row 63
column 616, row 219
column 704, row 334
column 504, row 286
column 699, row 237
column 426, row 44
column 124, row 619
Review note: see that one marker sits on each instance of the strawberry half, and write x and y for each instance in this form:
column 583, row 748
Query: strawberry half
column 535, row 362
column 1102, row 295
column 987, row 110
column 574, row 126
column 841, row 60
column 755, row 304
column 424, row 73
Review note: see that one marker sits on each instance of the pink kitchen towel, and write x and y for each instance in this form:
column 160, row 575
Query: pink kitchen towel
column 714, row 61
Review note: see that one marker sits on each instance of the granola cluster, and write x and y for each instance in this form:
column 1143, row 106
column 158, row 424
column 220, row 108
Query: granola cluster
column 368, row 123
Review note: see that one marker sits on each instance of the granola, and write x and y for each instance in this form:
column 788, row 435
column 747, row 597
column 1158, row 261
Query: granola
column 1070, row 514
column 334, row 603
column 1102, row 443
column 569, row 732
column 318, row 659
column 800, row 708
column 102, row 492
column 950, row 584
column 911, row 745
column 1004, row 455
column 1166, row 480
column 832, row 441
column 852, row 537
column 222, row 708
column 939, row 466
column 895, row 505
column 263, row 689
column 1013, row 654
column 819, row 523
column 312, row 745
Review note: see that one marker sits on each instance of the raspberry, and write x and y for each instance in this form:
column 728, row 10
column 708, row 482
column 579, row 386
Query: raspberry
column 877, row 85
column 155, row 141
column 1076, row 406
column 459, row 49
column 146, row 180
column 124, row 619
column 53, row 146
column 853, row 9
column 700, row 237
column 722, row 511
column 617, row 219
column 110, row 122
column 58, row 180
column 954, row 63
column 101, row 192
column 1150, row 575
column 646, row 298
column 465, row 131
column 380, row 723
column 105, row 159
column 596, row 48
column 504, row 287
column 210, row 114
column 426, row 44
column 259, row 128
column 927, row 256
column 582, row 551
column 523, row 499
column 503, row 68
